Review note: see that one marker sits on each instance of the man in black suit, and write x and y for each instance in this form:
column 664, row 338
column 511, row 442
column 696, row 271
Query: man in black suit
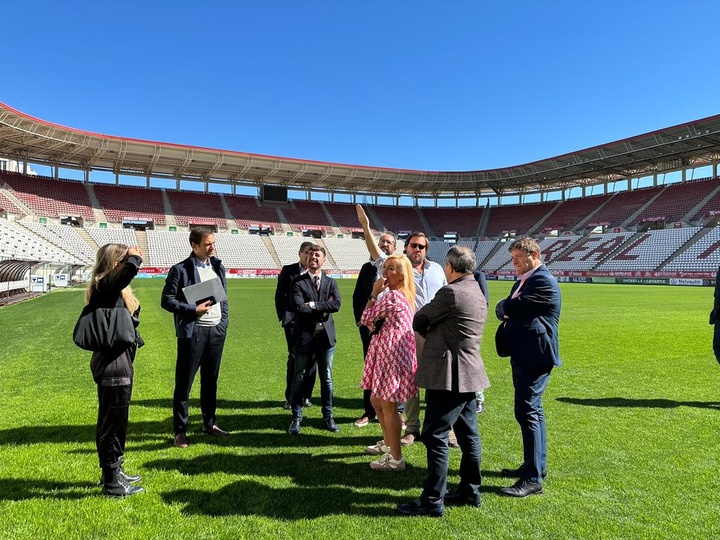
column 363, row 289
column 200, row 329
column 315, row 298
column 286, row 316
column 531, row 315
column 481, row 278
column 715, row 318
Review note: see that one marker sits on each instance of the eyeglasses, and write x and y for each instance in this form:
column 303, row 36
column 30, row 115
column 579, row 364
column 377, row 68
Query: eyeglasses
column 419, row 247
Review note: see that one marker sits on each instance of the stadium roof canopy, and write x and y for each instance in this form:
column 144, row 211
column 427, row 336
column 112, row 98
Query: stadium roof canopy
column 25, row 138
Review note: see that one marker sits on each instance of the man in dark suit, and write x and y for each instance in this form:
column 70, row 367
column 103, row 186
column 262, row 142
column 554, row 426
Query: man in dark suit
column 200, row 329
column 531, row 314
column 286, row 316
column 370, row 272
column 451, row 371
column 715, row 318
column 481, row 278
column 315, row 298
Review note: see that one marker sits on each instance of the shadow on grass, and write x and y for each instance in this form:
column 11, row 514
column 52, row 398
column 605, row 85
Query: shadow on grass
column 338, row 402
column 18, row 489
column 152, row 435
column 245, row 497
column 304, row 469
column 656, row 403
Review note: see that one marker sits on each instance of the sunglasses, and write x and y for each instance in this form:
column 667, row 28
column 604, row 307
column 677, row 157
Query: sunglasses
column 417, row 246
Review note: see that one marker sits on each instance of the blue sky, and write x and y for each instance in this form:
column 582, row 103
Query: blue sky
column 418, row 85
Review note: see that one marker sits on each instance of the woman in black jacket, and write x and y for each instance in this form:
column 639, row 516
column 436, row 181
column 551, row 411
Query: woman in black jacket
column 115, row 267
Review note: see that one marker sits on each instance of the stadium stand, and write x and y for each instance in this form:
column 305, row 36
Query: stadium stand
column 48, row 197
column 571, row 213
column 589, row 252
column 482, row 250
column 396, row 219
column 166, row 248
column 287, row 248
column 16, row 242
column 348, row 253
column 676, row 200
column 702, row 256
column 439, row 248
column 623, row 205
column 520, row 219
column 247, row 212
column 112, row 236
column 198, row 208
column 345, row 216
column 463, row 221
column 7, row 204
column 681, row 249
column 241, row 251
column 306, row 215
column 646, row 250
column 711, row 207
column 123, row 202
column 64, row 237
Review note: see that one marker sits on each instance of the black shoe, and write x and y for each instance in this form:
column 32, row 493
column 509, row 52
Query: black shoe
column 215, row 430
column 519, row 472
column 294, row 428
column 331, row 425
column 129, row 478
column 114, row 485
column 455, row 499
column 414, row 508
column 307, row 403
column 522, row 488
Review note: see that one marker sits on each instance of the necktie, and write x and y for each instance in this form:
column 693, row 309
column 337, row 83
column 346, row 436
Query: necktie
column 316, row 282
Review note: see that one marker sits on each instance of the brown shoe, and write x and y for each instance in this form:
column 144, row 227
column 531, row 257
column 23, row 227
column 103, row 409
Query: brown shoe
column 408, row 439
column 452, row 440
column 180, row 440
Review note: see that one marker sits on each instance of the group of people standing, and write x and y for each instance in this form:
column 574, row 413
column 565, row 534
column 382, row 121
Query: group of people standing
column 421, row 326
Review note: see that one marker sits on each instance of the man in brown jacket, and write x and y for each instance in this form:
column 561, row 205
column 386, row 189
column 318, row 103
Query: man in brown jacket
column 451, row 371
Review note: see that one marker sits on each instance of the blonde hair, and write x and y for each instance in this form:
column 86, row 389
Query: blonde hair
column 106, row 261
column 407, row 287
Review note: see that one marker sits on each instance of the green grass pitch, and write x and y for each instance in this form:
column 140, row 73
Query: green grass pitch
column 633, row 419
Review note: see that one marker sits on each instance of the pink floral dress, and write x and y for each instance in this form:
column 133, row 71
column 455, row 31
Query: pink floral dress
column 390, row 364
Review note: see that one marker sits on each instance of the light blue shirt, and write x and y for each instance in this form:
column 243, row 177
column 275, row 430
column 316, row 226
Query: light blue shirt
column 428, row 283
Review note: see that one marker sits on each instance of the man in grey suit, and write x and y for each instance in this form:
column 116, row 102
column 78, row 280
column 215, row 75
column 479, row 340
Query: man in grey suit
column 451, row 371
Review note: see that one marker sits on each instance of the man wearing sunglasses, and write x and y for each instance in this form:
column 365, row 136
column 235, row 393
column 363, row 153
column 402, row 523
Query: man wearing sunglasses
column 429, row 279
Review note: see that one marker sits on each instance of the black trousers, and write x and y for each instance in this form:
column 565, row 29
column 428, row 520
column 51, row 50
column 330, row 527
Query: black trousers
column 113, row 374
column 202, row 351
column 716, row 341
column 310, row 376
column 443, row 411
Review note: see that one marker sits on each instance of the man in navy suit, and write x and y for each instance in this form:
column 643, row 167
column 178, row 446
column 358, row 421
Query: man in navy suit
column 315, row 298
column 715, row 318
column 530, row 316
column 200, row 331
column 286, row 316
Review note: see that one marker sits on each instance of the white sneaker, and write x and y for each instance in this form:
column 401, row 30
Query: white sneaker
column 387, row 463
column 378, row 448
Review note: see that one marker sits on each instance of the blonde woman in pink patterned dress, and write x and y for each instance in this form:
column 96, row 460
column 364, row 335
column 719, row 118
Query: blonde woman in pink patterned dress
column 390, row 363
